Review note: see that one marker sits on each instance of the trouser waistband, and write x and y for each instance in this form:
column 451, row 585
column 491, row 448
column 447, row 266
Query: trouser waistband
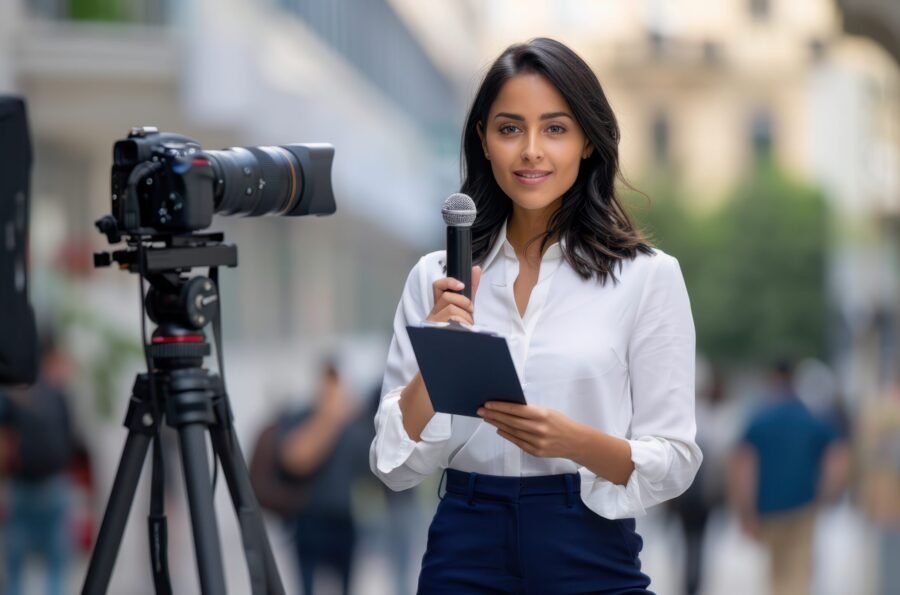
column 496, row 487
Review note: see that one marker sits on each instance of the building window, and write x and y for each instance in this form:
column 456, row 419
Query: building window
column 658, row 44
column 759, row 9
column 661, row 140
column 761, row 135
column 817, row 49
column 712, row 52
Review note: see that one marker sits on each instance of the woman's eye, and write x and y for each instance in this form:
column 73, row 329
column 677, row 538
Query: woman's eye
column 508, row 129
column 555, row 129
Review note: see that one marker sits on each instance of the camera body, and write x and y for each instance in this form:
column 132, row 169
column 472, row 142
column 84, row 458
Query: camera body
column 161, row 182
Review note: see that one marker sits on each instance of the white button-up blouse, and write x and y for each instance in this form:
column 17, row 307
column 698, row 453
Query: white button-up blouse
column 618, row 357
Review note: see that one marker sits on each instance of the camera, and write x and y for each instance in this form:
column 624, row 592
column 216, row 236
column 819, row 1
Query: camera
column 165, row 183
column 165, row 188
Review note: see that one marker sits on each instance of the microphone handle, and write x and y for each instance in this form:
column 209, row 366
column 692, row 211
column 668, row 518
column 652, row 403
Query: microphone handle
column 459, row 257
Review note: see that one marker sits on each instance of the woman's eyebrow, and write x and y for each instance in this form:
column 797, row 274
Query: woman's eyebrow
column 551, row 115
column 547, row 116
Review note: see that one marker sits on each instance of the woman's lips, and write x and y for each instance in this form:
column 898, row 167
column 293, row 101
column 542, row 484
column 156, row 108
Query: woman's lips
column 531, row 177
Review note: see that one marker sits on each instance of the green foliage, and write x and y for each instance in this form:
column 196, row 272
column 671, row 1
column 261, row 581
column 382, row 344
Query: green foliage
column 98, row 10
column 117, row 350
column 754, row 268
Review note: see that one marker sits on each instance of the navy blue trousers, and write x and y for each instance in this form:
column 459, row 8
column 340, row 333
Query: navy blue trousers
column 529, row 535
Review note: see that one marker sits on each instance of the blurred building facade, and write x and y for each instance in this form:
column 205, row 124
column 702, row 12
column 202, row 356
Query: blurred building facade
column 704, row 92
column 351, row 73
column 701, row 90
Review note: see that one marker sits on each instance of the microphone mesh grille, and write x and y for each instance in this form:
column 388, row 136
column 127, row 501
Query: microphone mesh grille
column 459, row 210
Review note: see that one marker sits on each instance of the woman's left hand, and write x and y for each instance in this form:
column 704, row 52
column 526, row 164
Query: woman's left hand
column 539, row 431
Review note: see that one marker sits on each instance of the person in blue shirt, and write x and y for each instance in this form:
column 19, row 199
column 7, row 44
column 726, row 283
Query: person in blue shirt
column 787, row 462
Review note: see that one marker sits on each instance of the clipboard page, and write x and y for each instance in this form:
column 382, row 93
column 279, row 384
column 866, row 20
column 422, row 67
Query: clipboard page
column 463, row 368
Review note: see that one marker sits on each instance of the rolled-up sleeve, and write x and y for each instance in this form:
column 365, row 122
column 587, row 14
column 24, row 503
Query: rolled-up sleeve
column 661, row 358
column 398, row 460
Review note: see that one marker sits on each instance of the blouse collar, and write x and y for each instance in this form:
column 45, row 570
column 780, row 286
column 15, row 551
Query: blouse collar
column 553, row 252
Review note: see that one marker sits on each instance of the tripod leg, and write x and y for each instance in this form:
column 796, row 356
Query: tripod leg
column 203, row 517
column 110, row 537
column 253, row 531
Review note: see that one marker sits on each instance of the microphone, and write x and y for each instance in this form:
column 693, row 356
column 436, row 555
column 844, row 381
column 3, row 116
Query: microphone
column 459, row 215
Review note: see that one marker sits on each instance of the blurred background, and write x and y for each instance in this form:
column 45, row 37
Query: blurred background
column 761, row 139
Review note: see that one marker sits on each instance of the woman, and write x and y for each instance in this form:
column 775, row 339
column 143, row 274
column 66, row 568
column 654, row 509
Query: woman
column 541, row 498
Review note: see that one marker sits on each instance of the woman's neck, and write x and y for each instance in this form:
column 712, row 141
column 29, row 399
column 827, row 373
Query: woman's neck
column 526, row 225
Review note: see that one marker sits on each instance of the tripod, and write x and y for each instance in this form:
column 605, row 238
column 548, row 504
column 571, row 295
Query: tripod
column 192, row 401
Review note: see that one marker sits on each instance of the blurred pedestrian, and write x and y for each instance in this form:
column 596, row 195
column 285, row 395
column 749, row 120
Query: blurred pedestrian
column 716, row 433
column 40, row 444
column 787, row 463
column 880, row 458
column 403, row 515
column 326, row 447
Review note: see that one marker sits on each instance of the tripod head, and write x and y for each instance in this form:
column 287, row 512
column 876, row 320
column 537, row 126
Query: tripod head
column 181, row 305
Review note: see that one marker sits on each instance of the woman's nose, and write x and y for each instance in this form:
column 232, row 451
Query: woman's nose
column 532, row 150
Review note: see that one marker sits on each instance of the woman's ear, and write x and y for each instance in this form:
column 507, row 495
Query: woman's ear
column 588, row 151
column 480, row 130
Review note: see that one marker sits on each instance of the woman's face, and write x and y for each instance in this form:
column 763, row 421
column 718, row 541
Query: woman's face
column 533, row 142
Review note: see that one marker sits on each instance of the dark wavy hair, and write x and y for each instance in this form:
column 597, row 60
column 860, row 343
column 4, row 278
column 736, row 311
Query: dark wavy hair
column 598, row 232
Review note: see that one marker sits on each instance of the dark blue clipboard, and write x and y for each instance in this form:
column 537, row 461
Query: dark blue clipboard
column 463, row 369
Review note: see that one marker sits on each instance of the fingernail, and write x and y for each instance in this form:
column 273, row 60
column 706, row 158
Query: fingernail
column 480, row 411
column 460, row 285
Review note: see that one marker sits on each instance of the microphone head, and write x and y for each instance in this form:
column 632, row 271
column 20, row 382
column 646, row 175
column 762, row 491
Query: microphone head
column 459, row 210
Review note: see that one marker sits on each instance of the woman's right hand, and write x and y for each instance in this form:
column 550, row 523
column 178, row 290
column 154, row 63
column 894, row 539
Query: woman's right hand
column 452, row 306
column 415, row 405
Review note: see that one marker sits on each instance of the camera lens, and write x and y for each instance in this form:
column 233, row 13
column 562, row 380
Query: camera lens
column 289, row 180
column 255, row 181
